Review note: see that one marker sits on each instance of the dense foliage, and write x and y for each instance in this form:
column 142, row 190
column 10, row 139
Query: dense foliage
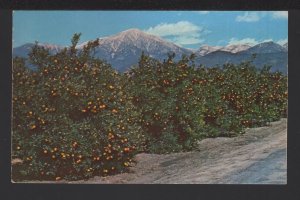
column 71, row 117
column 76, row 117
column 181, row 103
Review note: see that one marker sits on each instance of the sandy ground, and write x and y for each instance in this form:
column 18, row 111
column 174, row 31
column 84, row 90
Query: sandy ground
column 257, row 157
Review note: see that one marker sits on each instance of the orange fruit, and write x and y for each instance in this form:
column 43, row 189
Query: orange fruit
column 78, row 161
column 32, row 126
column 114, row 111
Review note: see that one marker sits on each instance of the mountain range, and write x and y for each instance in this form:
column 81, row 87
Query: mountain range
column 125, row 48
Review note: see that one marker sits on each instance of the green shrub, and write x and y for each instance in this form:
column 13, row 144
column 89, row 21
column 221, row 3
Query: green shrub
column 71, row 117
column 172, row 115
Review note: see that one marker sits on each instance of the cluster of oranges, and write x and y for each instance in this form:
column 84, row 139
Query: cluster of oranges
column 70, row 99
column 208, row 101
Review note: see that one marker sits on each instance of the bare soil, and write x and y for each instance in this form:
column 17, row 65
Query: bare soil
column 256, row 157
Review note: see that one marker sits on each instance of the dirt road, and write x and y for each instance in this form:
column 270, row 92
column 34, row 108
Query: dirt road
column 271, row 170
column 257, row 157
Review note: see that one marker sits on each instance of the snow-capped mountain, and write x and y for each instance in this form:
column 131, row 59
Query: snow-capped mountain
column 125, row 48
column 267, row 53
column 266, row 47
column 235, row 48
column 205, row 49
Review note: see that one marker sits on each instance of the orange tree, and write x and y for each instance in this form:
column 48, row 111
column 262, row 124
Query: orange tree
column 241, row 96
column 71, row 117
column 181, row 103
column 171, row 113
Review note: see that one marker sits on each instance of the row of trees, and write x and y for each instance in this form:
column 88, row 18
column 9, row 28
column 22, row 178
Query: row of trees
column 76, row 117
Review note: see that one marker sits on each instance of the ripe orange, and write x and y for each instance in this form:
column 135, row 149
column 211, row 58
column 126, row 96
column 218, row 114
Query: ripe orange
column 32, row 126
column 78, row 161
column 114, row 111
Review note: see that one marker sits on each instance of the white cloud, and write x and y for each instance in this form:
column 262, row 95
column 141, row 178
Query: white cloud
column 282, row 41
column 280, row 14
column 182, row 32
column 256, row 16
column 248, row 17
column 187, row 40
column 249, row 41
column 179, row 28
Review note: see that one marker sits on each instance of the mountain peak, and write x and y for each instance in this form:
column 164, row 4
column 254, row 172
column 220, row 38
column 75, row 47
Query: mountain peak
column 132, row 34
column 235, row 48
column 123, row 49
column 206, row 49
column 132, row 31
column 267, row 47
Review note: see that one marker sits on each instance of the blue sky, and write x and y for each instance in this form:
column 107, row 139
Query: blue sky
column 190, row 29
